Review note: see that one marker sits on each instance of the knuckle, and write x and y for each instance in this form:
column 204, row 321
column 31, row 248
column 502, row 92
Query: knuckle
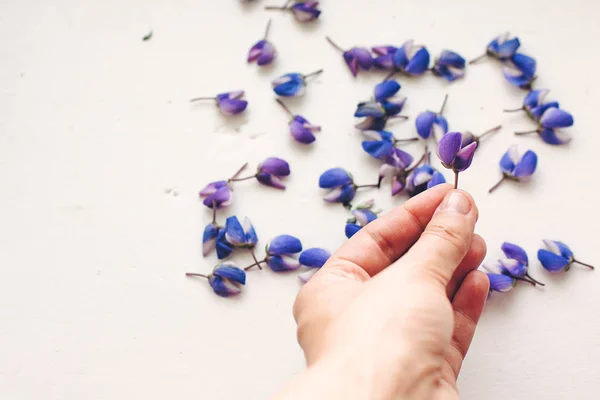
column 451, row 234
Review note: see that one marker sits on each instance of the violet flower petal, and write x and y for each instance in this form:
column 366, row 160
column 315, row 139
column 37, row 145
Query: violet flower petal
column 314, row 257
column 284, row 244
column 448, row 147
column 526, row 166
column 515, row 252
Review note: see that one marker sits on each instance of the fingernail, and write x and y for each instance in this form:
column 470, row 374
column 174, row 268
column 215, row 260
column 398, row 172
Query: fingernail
column 456, row 201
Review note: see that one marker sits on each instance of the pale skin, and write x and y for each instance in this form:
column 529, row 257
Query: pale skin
column 392, row 314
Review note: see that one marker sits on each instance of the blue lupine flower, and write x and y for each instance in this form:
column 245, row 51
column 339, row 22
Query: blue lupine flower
column 303, row 11
column 209, row 238
column 238, row 235
column 385, row 90
column 380, row 144
column 501, row 282
column 429, row 123
column 502, row 48
column 224, row 248
column 512, row 267
column 423, row 178
column 453, row 155
column 519, row 71
column 271, row 171
column 216, row 194
column 515, row 252
column 362, row 215
column 411, row 59
column 226, row 279
column 515, row 167
column 229, row 103
column 356, row 58
column 385, row 57
column 292, row 85
column 534, row 104
column 516, row 264
column 281, row 252
column 314, row 257
column 551, row 120
column 449, row 65
column 386, row 104
column 342, row 187
column 372, row 123
column 558, row 257
column 263, row 52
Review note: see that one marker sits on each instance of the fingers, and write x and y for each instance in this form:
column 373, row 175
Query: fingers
column 384, row 240
column 444, row 242
column 468, row 305
column 472, row 261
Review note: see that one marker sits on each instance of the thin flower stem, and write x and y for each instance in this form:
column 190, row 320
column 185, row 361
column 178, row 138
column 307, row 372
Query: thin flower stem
column 524, row 280
column 405, row 140
column 239, row 171
column 515, row 110
column 254, row 258
column 254, row 265
column 526, row 132
column 195, row 274
column 443, row 105
column 584, row 264
column 405, row 117
column 534, row 280
column 267, row 29
column 477, row 59
column 375, row 185
column 281, row 8
column 242, row 179
column 497, row 184
column 390, row 76
column 313, row 74
column 334, row 44
column 282, row 104
column 455, row 180
column 202, row 98
column 214, row 207
column 489, row 131
column 427, row 155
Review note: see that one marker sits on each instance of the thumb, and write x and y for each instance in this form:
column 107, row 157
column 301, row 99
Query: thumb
column 445, row 241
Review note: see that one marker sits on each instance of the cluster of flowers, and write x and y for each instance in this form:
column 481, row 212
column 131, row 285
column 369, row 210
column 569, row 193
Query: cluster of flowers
column 455, row 150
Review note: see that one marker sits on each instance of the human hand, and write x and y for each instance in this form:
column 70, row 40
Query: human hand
column 392, row 313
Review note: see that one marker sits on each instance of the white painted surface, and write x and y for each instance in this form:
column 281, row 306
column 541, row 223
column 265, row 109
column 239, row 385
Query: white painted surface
column 95, row 124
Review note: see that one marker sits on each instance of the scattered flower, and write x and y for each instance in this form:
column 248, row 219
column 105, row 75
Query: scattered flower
column 516, row 263
column 356, row 58
column 263, row 51
column 449, row 65
column 515, row 167
column 501, row 282
column 422, row 178
column 209, row 238
column 534, row 105
column 281, row 251
column 453, row 155
column 396, row 167
column 342, row 188
column 226, row 279
column 385, row 104
column 271, row 171
column 429, row 123
column 238, row 235
column 217, row 194
column 558, row 257
column 292, row 85
column 300, row 129
column 519, row 71
column 551, row 120
column 469, row 137
column 382, row 143
column 229, row 103
column 385, row 57
column 303, row 12
column 411, row 59
column 361, row 216
column 501, row 48
column 224, row 248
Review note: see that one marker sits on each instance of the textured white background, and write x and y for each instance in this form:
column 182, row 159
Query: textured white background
column 95, row 125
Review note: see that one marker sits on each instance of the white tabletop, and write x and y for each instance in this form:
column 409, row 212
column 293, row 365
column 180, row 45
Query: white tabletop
column 102, row 157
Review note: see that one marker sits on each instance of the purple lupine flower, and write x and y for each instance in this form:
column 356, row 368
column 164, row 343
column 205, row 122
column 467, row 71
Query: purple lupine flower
column 515, row 167
column 226, row 279
column 519, row 70
column 386, row 104
column 271, row 171
column 362, row 215
column 356, row 58
column 224, row 248
column 429, row 123
column 516, row 264
column 342, row 187
column 551, row 120
column 501, row 282
column 292, row 84
column 558, row 257
column 534, row 104
column 449, row 65
column 501, row 48
column 229, row 103
column 469, row 137
column 281, row 253
column 301, row 130
column 396, row 168
column 263, row 51
column 423, row 178
column 453, row 156
column 411, row 59
column 217, row 194
column 238, row 235
column 385, row 57
column 303, row 11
